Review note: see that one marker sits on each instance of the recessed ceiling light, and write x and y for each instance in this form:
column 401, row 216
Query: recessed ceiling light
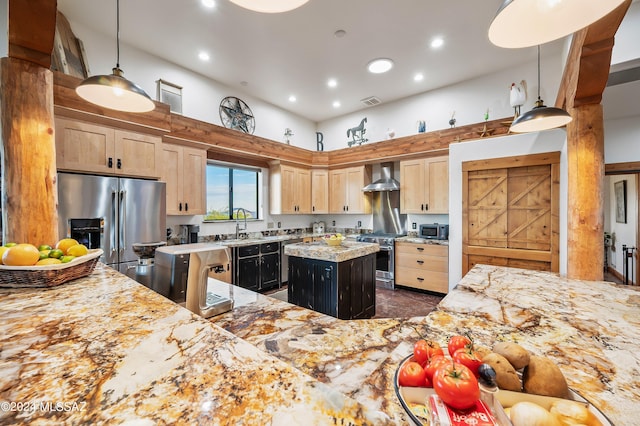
column 272, row 6
column 380, row 65
column 336, row 104
column 418, row 77
column 340, row 33
column 292, row 98
column 437, row 42
column 209, row 3
column 332, row 82
column 204, row 56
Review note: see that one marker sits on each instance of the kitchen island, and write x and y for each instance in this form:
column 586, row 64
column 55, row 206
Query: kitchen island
column 337, row 280
column 125, row 354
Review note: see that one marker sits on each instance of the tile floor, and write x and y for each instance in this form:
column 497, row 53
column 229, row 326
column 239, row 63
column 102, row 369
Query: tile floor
column 398, row 303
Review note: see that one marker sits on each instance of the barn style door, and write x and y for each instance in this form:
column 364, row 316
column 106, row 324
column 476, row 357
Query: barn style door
column 510, row 212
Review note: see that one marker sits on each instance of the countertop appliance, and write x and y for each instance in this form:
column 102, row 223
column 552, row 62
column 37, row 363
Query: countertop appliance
column 434, row 231
column 143, row 272
column 186, row 269
column 111, row 213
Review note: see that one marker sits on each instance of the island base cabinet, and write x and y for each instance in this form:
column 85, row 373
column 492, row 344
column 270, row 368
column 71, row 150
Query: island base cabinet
column 345, row 290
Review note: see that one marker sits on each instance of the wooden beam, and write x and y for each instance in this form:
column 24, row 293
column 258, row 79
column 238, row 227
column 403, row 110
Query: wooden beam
column 29, row 190
column 622, row 168
column 32, row 27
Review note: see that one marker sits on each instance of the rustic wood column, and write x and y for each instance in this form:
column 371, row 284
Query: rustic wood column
column 585, row 224
column 29, row 192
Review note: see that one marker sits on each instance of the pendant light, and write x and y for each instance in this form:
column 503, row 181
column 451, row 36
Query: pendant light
column 526, row 23
column 270, row 6
column 541, row 117
column 114, row 91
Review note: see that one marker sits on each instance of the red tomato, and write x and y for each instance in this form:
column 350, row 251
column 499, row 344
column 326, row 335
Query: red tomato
column 435, row 363
column 412, row 374
column 456, row 385
column 424, row 350
column 457, row 342
column 469, row 358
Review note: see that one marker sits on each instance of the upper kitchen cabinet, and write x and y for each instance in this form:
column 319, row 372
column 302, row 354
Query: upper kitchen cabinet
column 85, row 147
column 184, row 173
column 424, row 185
column 345, row 190
column 289, row 190
column 319, row 191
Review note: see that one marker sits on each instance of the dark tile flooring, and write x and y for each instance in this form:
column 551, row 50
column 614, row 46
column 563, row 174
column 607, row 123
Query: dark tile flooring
column 397, row 303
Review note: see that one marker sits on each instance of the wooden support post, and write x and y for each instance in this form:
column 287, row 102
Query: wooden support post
column 585, row 224
column 29, row 190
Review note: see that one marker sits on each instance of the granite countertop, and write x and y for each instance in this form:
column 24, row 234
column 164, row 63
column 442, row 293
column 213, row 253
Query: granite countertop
column 107, row 350
column 418, row 240
column 320, row 250
column 125, row 354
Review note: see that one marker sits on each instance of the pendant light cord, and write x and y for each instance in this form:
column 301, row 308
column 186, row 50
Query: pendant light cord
column 118, row 34
column 538, row 71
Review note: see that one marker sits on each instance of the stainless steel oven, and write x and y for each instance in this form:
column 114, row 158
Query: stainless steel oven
column 385, row 258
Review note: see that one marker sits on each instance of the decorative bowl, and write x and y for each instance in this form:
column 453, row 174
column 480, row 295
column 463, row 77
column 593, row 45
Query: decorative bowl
column 333, row 241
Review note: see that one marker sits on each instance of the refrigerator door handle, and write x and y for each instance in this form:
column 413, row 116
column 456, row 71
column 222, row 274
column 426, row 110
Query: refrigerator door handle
column 123, row 221
column 112, row 229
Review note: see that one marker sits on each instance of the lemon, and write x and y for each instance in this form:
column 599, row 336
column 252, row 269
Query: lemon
column 44, row 254
column 56, row 253
column 77, row 250
column 2, row 250
column 66, row 259
column 48, row 261
column 43, row 247
column 65, row 243
column 21, row 255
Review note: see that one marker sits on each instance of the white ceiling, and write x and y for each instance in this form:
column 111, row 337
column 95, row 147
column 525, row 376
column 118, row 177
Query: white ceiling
column 295, row 53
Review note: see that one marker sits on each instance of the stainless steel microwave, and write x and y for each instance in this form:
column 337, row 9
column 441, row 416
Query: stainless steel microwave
column 434, row 231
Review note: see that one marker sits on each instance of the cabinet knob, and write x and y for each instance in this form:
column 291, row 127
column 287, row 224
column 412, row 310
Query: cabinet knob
column 110, row 163
column 422, row 207
column 186, row 207
column 119, row 163
column 420, row 262
column 420, row 248
column 420, row 279
column 426, row 207
column 180, row 206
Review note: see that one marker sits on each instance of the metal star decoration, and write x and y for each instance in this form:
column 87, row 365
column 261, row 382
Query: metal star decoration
column 235, row 114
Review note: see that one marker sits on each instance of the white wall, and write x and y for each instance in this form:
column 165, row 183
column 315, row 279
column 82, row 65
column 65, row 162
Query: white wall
column 626, row 47
column 470, row 100
column 507, row 146
column 623, row 233
column 4, row 28
column 201, row 96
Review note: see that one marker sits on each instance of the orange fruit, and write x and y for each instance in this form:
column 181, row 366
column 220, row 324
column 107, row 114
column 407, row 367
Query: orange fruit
column 21, row 255
column 48, row 261
column 77, row 250
column 65, row 243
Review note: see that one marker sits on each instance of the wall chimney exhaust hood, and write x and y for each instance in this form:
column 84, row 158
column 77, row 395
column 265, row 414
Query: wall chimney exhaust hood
column 386, row 181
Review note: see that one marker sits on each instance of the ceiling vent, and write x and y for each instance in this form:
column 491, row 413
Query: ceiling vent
column 371, row 101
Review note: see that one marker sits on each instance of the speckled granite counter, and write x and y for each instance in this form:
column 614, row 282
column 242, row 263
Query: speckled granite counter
column 418, row 240
column 321, row 251
column 107, row 350
column 591, row 329
column 125, row 354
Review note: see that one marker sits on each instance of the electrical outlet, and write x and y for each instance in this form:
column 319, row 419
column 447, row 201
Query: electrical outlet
column 413, row 225
column 278, row 224
column 269, row 225
column 333, row 223
column 359, row 223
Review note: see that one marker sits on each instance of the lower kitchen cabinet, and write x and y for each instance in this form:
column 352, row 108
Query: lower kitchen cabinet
column 422, row 266
column 345, row 290
column 257, row 266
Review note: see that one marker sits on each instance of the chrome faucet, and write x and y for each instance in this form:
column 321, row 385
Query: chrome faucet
column 244, row 212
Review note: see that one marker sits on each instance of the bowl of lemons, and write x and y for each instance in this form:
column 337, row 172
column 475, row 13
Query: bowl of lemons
column 333, row 239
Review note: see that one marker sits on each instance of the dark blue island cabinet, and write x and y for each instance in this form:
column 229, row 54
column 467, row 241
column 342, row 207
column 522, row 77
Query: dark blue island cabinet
column 345, row 290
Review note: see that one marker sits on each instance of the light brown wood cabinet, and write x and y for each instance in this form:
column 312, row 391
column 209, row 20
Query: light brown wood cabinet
column 319, row 191
column 184, row 171
column 422, row 266
column 345, row 190
column 85, row 147
column 289, row 190
column 424, row 185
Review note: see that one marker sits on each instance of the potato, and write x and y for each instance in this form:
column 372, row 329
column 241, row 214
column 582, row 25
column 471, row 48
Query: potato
column 506, row 376
column 543, row 377
column 514, row 353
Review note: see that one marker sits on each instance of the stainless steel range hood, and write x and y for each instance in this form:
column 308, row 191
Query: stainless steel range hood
column 386, row 181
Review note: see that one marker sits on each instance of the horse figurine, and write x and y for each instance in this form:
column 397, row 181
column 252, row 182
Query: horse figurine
column 353, row 132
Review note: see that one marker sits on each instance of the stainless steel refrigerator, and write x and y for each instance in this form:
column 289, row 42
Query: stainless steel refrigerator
column 111, row 213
